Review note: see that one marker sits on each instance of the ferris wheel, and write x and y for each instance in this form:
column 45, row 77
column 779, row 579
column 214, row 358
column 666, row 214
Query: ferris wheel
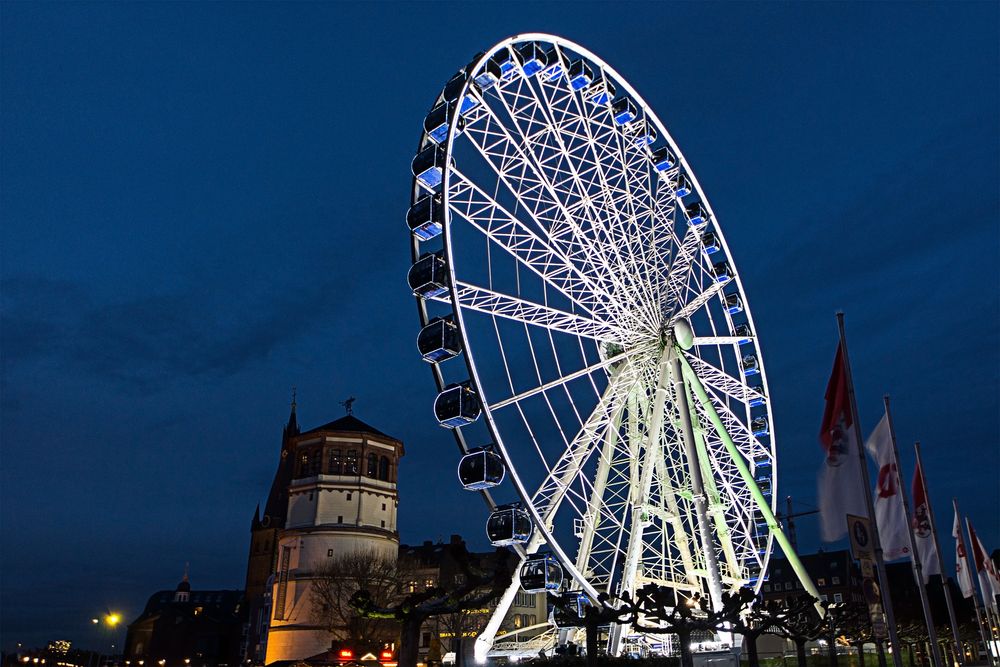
column 589, row 333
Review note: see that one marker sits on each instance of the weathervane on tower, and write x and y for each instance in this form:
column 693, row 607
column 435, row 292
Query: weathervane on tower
column 349, row 404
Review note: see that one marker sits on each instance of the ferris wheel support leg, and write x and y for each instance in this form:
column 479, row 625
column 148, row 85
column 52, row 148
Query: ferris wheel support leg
column 640, row 491
column 484, row 642
column 741, row 466
column 697, row 484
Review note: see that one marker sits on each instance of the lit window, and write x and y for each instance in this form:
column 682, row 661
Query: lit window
column 837, row 597
column 836, row 581
column 329, row 553
column 821, row 582
column 823, row 598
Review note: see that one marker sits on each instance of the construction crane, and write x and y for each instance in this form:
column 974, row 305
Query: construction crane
column 788, row 519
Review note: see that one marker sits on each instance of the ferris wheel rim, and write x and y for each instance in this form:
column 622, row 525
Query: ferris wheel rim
column 458, row 308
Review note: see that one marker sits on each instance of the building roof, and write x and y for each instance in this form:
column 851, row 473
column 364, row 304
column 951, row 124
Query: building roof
column 352, row 424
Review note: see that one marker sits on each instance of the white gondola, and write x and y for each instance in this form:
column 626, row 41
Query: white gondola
column 722, row 271
column 696, row 213
column 734, row 304
column 541, row 573
column 663, row 159
column 490, row 74
column 710, row 242
column 507, row 525
column 458, row 405
column 533, row 58
column 601, row 91
column 481, row 469
column 425, row 217
column 428, row 167
column 428, row 277
column 439, row 340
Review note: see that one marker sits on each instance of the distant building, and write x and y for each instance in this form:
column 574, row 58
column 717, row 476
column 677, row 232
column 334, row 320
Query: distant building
column 334, row 492
column 187, row 627
column 835, row 574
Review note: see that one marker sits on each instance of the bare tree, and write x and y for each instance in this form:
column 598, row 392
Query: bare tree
column 383, row 577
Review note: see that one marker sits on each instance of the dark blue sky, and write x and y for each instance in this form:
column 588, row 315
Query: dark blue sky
column 203, row 206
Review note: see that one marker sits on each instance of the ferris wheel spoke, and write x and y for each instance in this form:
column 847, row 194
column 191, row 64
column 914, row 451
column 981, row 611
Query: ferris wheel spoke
column 722, row 381
column 692, row 306
column 502, row 227
column 480, row 299
column 751, row 448
column 548, row 156
column 678, row 279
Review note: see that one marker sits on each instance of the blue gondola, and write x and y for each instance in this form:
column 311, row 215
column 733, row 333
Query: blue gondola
column 624, row 110
column 743, row 333
column 480, row 469
column 759, row 427
column 758, row 399
column 428, row 277
column 643, row 134
column 533, row 58
column 663, row 159
column 541, row 573
column 439, row 340
column 428, row 167
column 764, row 485
column 458, row 405
column 505, row 61
column 723, row 272
column 762, row 466
column 555, row 66
column 490, row 74
column 453, row 90
column 696, row 213
column 683, row 187
column 601, row 91
column 750, row 365
column 734, row 304
column 711, row 243
column 507, row 525
column 436, row 122
column 425, row 217
column 580, row 75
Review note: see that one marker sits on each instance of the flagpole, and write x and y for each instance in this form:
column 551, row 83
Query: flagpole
column 959, row 654
column 975, row 600
column 890, row 616
column 987, row 607
column 914, row 554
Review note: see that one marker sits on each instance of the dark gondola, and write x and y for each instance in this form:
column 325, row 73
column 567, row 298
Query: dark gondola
column 683, row 187
column 453, row 89
column 436, row 122
column 580, row 75
column 696, row 213
column 723, row 272
column 428, row 167
column 426, row 217
column 734, row 304
column 759, row 427
column 645, row 134
column 541, row 573
column 457, row 405
column 490, row 74
column 601, row 91
column 710, row 242
column 439, row 340
column 569, row 608
column 624, row 111
column 762, row 466
column 505, row 61
column 758, row 399
column 663, row 159
column 750, row 365
column 507, row 525
column 555, row 66
column 533, row 58
column 743, row 333
column 480, row 469
column 428, row 277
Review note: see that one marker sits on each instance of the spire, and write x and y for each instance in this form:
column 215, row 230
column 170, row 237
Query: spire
column 186, row 565
column 292, row 427
column 255, row 524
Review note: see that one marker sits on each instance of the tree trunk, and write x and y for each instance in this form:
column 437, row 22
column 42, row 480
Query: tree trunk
column 800, row 651
column 687, row 659
column 752, row 650
column 409, row 641
column 832, row 650
column 590, row 622
column 881, row 653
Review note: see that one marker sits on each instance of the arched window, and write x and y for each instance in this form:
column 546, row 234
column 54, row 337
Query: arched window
column 315, row 462
column 303, row 470
column 335, row 467
column 351, row 467
column 383, row 469
column 373, row 465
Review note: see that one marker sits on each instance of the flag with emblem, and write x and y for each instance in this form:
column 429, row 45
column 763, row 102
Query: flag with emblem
column 889, row 513
column 840, row 488
column 922, row 531
column 989, row 583
column 962, row 573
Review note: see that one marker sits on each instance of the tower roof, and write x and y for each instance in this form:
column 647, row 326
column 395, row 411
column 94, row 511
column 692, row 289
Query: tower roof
column 352, row 424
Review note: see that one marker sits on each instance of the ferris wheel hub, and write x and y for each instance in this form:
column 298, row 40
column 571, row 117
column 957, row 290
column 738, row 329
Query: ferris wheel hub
column 683, row 334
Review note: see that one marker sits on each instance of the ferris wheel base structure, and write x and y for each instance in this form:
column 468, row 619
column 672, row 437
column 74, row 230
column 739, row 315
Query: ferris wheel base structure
column 589, row 335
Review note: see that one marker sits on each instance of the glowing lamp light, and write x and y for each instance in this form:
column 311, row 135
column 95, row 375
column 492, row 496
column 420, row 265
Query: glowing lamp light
column 346, row 653
column 386, row 655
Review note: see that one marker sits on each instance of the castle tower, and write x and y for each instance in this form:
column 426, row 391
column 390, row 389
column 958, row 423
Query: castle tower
column 341, row 498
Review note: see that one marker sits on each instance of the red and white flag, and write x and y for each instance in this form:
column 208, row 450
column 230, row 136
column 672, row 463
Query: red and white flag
column 922, row 531
column 989, row 582
column 889, row 513
column 840, row 489
column 962, row 573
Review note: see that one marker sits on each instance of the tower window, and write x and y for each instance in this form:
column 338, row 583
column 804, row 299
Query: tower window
column 336, row 464
column 329, row 553
column 383, row 523
column 383, row 469
column 351, row 467
column 349, row 495
column 383, row 507
column 340, row 519
column 373, row 465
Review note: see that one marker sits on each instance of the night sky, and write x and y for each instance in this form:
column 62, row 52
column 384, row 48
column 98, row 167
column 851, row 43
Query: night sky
column 203, row 206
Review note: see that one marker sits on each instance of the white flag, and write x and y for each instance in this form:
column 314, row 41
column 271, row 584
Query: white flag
column 989, row 582
column 889, row 513
column 922, row 530
column 962, row 573
column 840, row 489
